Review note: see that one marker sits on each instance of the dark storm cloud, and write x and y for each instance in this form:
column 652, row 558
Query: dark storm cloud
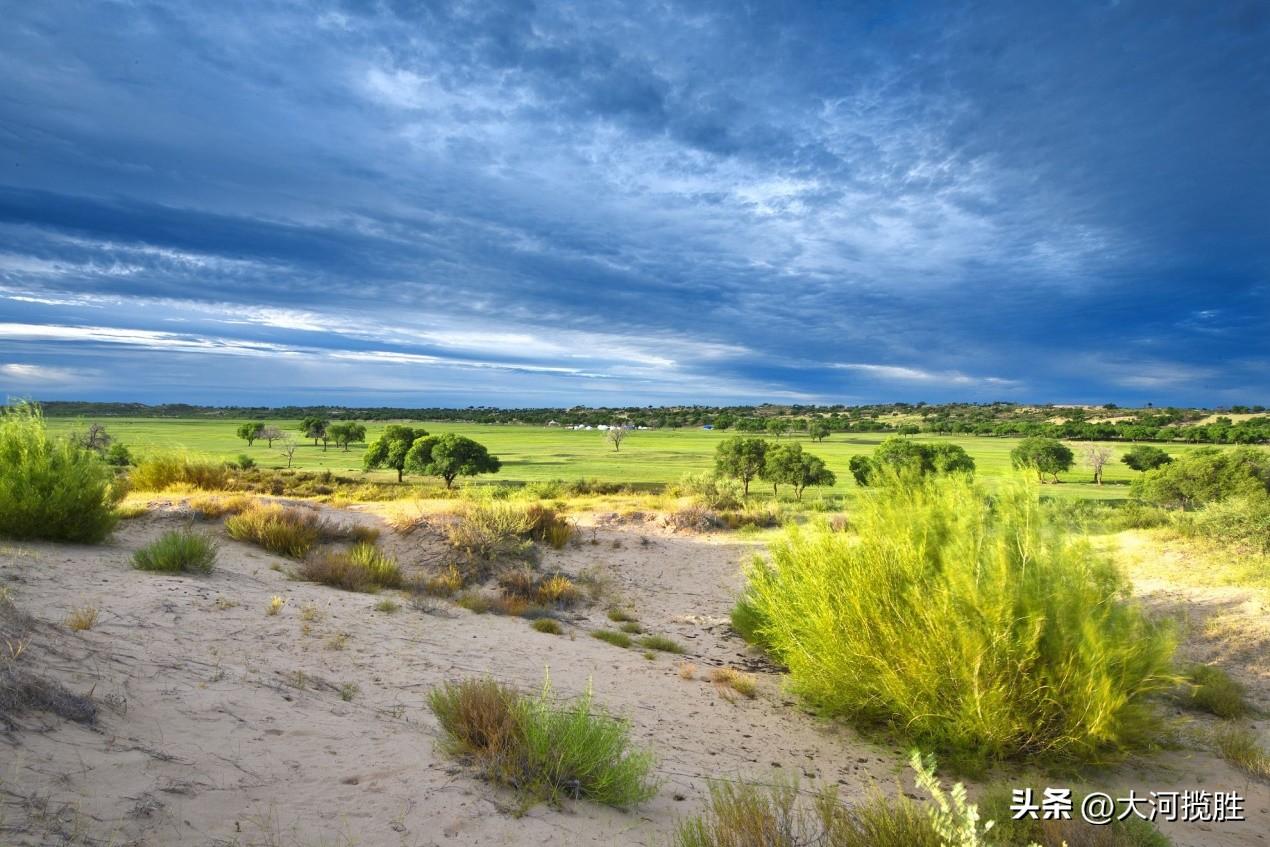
column 535, row 202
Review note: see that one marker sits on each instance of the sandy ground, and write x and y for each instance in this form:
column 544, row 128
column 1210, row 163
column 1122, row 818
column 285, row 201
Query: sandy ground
column 221, row 725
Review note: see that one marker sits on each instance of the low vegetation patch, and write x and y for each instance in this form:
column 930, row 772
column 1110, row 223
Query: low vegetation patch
column 285, row 530
column 52, row 488
column 733, row 680
column 546, row 751
column 23, row 690
column 1210, row 689
column 609, row 636
column 553, row 590
column 491, row 530
column 661, row 644
column 163, row 471
column 177, row 551
column 361, row 568
column 1133, row 831
column 1239, row 746
column 212, row 506
column 548, row 625
column 81, row 618
column 973, row 627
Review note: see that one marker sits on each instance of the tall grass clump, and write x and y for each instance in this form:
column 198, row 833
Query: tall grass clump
column 491, row 530
column 165, row 470
column 967, row 624
column 51, row 488
column 284, row 530
column 362, row 568
column 543, row 749
column 1241, row 521
column 177, row 551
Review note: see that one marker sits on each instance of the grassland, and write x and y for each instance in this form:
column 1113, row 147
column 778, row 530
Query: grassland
column 531, row 453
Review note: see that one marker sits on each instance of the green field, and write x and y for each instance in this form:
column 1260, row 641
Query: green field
column 540, row 453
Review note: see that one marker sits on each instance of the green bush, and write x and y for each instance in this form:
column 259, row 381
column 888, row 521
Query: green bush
column 609, row 636
column 967, row 624
column 177, row 551
column 284, row 530
column 161, row 471
column 51, row 488
column 711, row 490
column 543, row 749
column 1206, row 475
column 1210, row 689
column 660, row 643
column 1242, row 520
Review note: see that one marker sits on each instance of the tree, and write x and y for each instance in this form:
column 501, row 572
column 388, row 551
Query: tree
column 389, row 450
column 741, row 458
column 1145, row 458
column 615, row 436
column 819, row 430
column 96, row 439
column 449, row 456
column 899, row 456
column 315, row 428
column 287, row 445
column 1206, row 475
column 1044, row 455
column 250, row 431
column 778, row 427
column 346, row 433
column 119, row 456
column 1097, row 456
column 861, row 469
column 789, row 464
column 270, row 434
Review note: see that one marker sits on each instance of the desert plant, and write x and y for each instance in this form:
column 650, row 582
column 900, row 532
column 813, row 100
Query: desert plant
column 969, row 625
column 1210, row 689
column 1027, row 831
column 276, row 604
column 545, row 750
column 620, row 616
column 490, row 530
column 177, row 551
column 165, row 470
column 285, row 530
column 548, row 625
column 217, row 506
column 608, row 636
column 732, row 679
column 387, row 606
column 82, row 618
column 1206, row 475
column 1242, row 520
column 1239, row 746
column 660, row 643
column 712, row 491
column 361, row 568
column 51, row 488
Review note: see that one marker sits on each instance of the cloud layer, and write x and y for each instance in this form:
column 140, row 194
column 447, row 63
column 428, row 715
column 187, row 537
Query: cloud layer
column 515, row 203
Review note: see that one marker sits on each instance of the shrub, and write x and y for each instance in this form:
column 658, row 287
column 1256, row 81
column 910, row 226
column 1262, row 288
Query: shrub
column 1239, row 746
column 245, row 462
column 747, row 621
column 693, row 519
column 1242, row 520
column 902, row 458
column 753, row 514
column 491, row 530
column 1136, row 515
column 661, row 644
column 1205, row 476
column 975, row 627
column 361, row 568
column 285, row 530
column 548, row 625
column 617, row 639
column 51, row 488
column 548, row 525
column 162, row 471
column 177, row 551
column 82, row 618
column 712, row 491
column 216, row 506
column 544, row 750
column 1210, row 689
column 119, row 456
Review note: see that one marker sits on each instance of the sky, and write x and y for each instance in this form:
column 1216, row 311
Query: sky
column 430, row 203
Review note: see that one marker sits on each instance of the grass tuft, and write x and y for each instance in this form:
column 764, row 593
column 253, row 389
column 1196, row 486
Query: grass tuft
column 730, row 679
column 1239, row 746
column 545, row 750
column 177, row 551
column 661, row 644
column 168, row 470
column 617, row 639
column 362, row 568
column 548, row 625
column 212, row 506
column 82, row 618
column 285, row 530
column 1212, row 690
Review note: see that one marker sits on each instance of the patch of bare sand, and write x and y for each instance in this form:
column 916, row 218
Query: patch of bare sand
column 223, row 725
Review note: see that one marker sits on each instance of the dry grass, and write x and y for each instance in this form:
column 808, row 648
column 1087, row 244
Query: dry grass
column 275, row 605
column 212, row 506
column 687, row 670
column 730, row 679
column 362, row 568
column 444, row 584
column 1239, row 746
column 553, row 590
column 285, row 530
column 82, row 618
column 387, row 605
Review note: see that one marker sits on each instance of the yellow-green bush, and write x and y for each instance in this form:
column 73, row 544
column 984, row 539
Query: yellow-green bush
column 51, row 487
column 967, row 624
column 362, row 568
column 284, row 530
column 164, row 470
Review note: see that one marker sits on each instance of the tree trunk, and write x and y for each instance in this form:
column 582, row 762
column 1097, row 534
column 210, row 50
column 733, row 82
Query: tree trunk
column 399, row 474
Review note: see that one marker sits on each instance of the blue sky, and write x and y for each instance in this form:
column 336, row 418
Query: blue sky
column 433, row 203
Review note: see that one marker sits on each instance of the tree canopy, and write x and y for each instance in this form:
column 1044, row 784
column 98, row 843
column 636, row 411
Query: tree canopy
column 389, row 450
column 346, row 433
column 250, row 431
column 1044, row 455
column 741, row 458
column 1144, row 457
column 788, row 464
column 902, row 457
column 450, row 456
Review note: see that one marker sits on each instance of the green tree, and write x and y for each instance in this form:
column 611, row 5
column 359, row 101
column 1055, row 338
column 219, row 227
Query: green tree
column 1206, row 475
column 861, row 469
column 818, row 430
column 1146, row 458
column 389, row 450
column 788, row 464
column 346, row 433
column 741, row 458
column 1044, row 455
column 777, row 427
column 449, row 456
column 315, row 428
column 250, row 431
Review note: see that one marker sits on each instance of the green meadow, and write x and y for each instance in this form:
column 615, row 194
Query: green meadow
column 532, row 453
